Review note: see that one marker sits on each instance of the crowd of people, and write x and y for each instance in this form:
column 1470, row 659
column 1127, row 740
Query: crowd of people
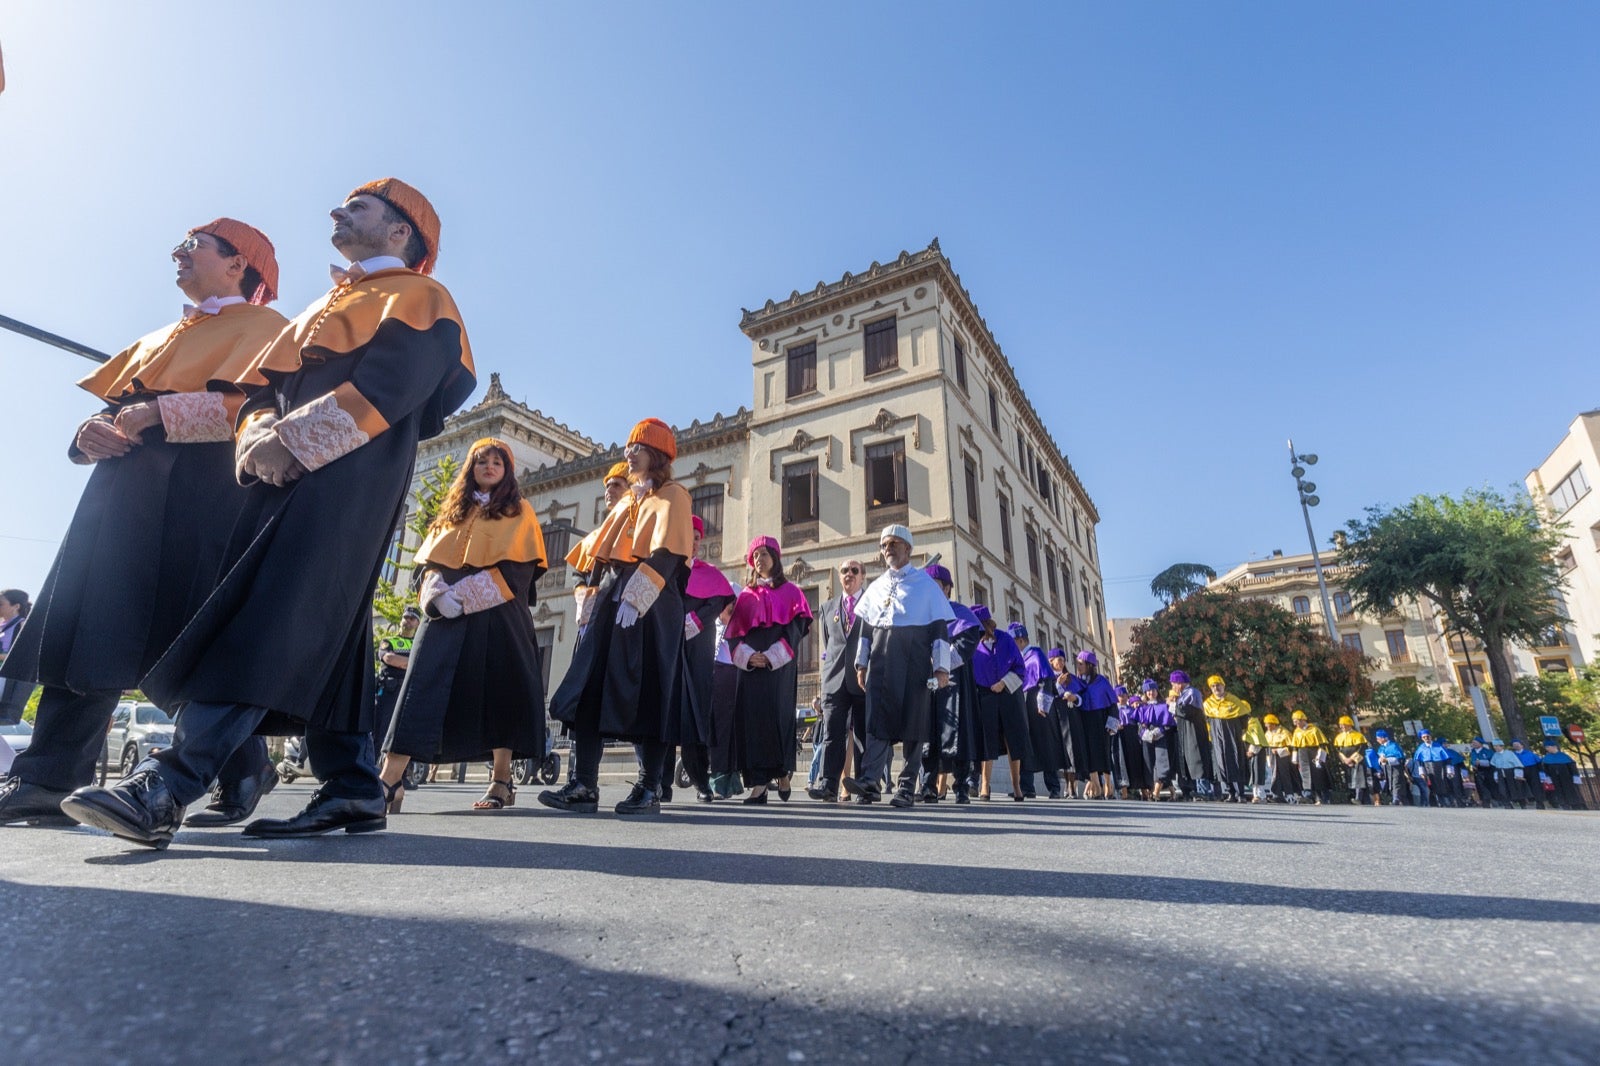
column 249, row 471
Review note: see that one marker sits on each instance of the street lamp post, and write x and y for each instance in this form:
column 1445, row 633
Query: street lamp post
column 1306, row 489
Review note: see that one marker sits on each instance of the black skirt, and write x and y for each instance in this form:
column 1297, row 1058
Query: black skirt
column 474, row 683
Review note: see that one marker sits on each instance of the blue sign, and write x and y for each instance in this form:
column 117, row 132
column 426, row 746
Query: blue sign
column 1551, row 726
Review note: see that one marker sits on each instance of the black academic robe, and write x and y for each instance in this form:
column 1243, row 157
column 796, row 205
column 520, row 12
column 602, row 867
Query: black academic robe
column 692, row 724
column 1046, row 754
column 899, row 664
column 623, row 682
column 140, row 556
column 764, row 734
column 475, row 682
column 955, row 709
column 290, row 626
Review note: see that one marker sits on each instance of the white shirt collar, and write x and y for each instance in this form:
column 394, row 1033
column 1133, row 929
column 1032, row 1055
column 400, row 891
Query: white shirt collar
column 380, row 262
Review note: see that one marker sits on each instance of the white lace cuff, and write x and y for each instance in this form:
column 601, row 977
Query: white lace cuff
column 741, row 655
column 481, row 591
column 195, row 417
column 642, row 589
column 320, row 432
column 780, row 655
column 584, row 596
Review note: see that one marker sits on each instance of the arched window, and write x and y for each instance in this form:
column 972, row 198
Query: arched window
column 1302, row 605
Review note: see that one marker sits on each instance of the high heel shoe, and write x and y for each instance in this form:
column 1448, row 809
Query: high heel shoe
column 393, row 796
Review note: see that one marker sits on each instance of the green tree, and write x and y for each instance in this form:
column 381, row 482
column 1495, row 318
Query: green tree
column 389, row 601
column 1485, row 561
column 1395, row 702
column 1266, row 654
column 1180, row 580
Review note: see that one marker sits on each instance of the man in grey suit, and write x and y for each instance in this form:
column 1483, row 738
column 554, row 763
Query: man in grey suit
column 844, row 703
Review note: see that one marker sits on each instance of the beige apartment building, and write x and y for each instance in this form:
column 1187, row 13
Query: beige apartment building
column 1561, row 486
column 1408, row 642
column 879, row 398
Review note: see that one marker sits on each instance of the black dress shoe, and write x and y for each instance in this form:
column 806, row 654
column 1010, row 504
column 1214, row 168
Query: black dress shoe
column 235, row 802
column 705, row 795
column 140, row 808
column 573, row 796
column 758, row 799
column 666, row 794
column 930, row 796
column 25, row 804
column 902, row 798
column 962, row 798
column 823, row 793
column 857, row 787
column 324, row 814
column 872, row 795
column 640, row 801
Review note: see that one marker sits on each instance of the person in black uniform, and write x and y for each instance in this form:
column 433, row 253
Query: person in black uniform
column 394, row 655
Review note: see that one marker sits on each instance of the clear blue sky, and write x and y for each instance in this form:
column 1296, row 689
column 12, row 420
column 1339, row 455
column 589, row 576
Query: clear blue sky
column 1196, row 229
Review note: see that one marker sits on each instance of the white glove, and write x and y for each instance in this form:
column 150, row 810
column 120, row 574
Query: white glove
column 447, row 605
column 627, row 614
column 691, row 626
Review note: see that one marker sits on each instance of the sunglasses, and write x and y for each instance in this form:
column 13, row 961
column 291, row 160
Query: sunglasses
column 190, row 244
column 850, row 570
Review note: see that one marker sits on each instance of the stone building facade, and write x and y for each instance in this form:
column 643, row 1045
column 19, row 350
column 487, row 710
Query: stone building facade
column 878, row 398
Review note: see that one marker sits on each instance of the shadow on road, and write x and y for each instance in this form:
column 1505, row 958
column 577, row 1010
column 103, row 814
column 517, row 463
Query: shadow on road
column 687, row 864
column 204, row 980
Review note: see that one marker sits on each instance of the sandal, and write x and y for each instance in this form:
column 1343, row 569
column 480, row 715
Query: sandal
column 393, row 796
column 501, row 794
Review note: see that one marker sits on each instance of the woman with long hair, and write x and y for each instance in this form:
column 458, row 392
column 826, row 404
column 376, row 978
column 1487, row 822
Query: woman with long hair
column 623, row 678
column 769, row 619
column 473, row 687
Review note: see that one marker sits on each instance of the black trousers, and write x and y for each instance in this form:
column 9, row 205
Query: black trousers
column 210, row 734
column 843, row 716
column 69, row 733
column 588, row 747
column 1399, row 784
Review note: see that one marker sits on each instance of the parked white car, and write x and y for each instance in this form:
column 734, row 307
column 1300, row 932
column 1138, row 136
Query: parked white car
column 138, row 730
column 14, row 739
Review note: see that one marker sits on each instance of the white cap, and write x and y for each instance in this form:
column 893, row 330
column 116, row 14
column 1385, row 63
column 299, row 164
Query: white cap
column 897, row 531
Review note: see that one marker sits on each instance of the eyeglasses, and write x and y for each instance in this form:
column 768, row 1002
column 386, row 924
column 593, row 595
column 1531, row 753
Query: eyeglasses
column 629, row 451
column 850, row 570
column 192, row 243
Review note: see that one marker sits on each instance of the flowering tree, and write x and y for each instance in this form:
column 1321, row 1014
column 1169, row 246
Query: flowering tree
column 1264, row 652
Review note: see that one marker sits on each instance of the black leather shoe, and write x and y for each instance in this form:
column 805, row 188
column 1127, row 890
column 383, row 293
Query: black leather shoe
column 666, row 794
column 231, row 803
column 640, row 801
column 25, row 804
column 856, row 787
column 758, row 799
column 573, row 796
column 823, row 794
column 324, row 814
column 872, row 795
column 705, row 795
column 140, row 808
column 962, row 798
column 903, row 799
column 930, row 795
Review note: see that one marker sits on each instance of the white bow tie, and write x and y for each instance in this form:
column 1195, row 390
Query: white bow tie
column 208, row 306
column 346, row 275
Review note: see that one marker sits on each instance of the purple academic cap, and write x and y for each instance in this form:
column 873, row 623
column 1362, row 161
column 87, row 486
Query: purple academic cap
column 1088, row 657
column 938, row 573
column 980, row 612
column 1178, row 677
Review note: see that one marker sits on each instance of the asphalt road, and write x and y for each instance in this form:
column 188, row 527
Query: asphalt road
column 996, row 933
